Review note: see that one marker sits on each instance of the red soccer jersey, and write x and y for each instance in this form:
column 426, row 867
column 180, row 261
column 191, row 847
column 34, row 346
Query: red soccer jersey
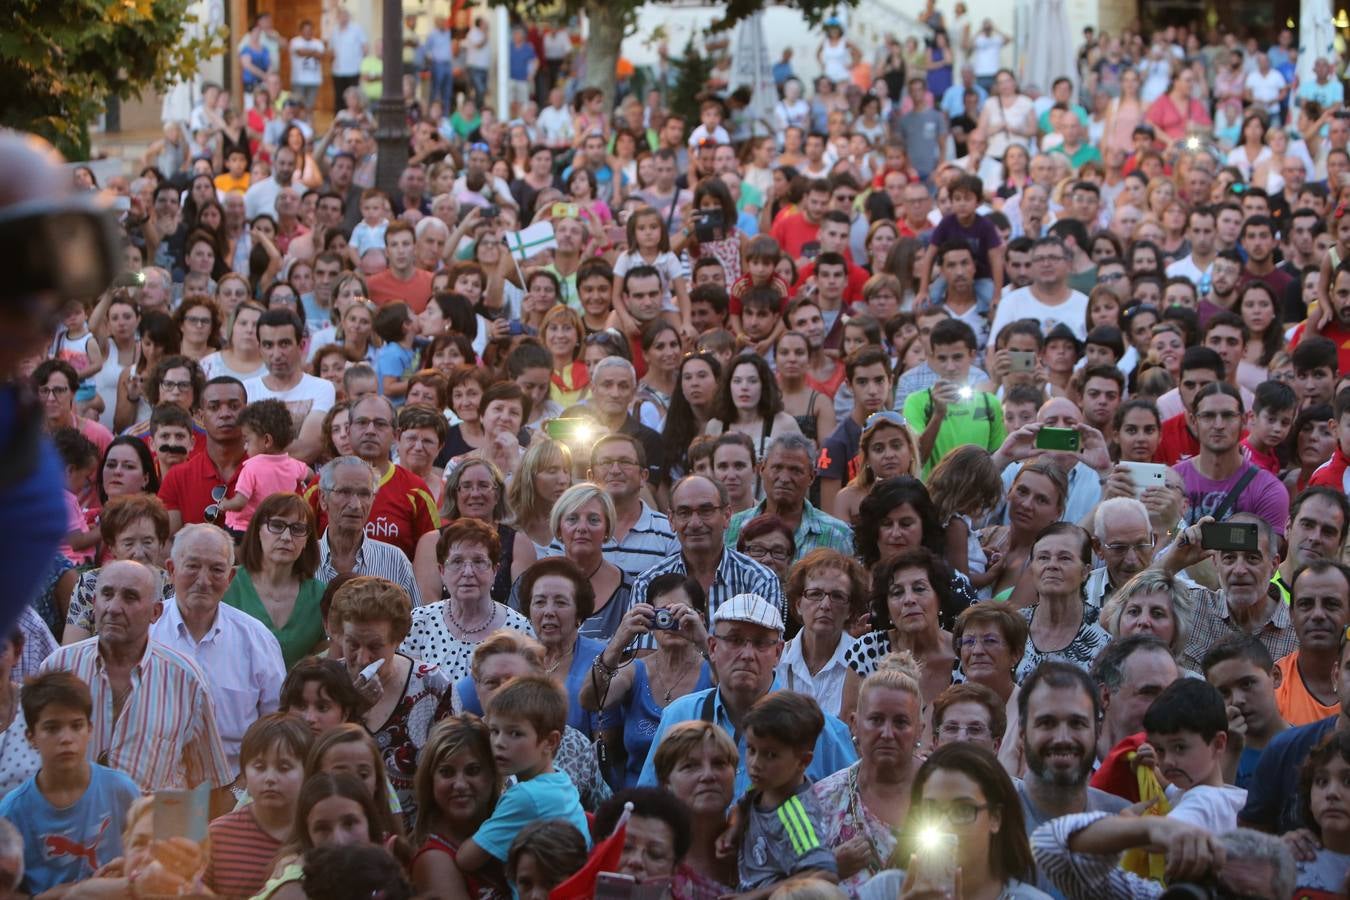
column 1177, row 442
column 402, row 512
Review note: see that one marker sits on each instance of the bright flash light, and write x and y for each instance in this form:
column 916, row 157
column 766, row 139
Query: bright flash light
column 584, row 433
column 930, row 838
column 1193, row 143
column 966, row 392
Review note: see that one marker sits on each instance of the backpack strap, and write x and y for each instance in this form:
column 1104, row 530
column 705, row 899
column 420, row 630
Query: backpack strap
column 1231, row 498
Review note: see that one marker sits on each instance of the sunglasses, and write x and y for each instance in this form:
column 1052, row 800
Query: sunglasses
column 888, row 416
column 213, row 513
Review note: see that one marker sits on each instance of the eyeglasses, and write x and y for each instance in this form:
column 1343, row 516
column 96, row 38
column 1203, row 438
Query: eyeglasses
column 55, row 391
column 686, row 513
column 479, row 564
column 175, row 385
column 988, row 641
column 763, row 645
column 956, row 731
column 281, row 526
column 366, row 422
column 1218, row 416
column 1114, row 276
column 480, row 147
column 1137, row 549
column 212, row 512
column 816, row 595
column 957, row 812
column 603, row 465
column 759, row 551
column 196, row 320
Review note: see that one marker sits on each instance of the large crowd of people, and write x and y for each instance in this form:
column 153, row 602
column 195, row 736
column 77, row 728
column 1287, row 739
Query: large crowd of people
column 403, row 560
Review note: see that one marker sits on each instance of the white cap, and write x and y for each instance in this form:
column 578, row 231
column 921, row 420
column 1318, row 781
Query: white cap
column 751, row 608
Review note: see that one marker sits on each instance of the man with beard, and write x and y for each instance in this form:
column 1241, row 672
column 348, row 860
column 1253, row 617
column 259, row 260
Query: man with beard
column 1320, row 608
column 1332, row 319
column 1060, row 710
column 1319, row 518
column 1123, row 538
column 744, row 645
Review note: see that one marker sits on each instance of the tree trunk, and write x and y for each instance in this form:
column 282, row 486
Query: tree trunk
column 607, row 22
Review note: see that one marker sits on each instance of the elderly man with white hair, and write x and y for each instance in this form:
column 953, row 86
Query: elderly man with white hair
column 347, row 488
column 239, row 656
column 1124, row 540
column 431, row 236
column 153, row 713
column 613, row 390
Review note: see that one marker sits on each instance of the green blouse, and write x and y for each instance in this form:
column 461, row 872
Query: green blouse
column 303, row 630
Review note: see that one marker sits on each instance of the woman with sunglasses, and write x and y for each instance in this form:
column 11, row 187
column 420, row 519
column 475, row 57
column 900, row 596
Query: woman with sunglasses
column 886, row 449
column 274, row 581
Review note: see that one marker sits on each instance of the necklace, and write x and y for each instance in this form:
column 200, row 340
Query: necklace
column 679, row 679
column 549, row 670
column 463, row 629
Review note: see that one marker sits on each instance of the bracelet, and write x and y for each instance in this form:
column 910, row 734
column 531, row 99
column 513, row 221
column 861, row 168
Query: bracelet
column 603, row 669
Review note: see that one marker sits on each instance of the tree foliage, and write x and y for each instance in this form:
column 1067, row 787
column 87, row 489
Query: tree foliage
column 692, row 72
column 61, row 59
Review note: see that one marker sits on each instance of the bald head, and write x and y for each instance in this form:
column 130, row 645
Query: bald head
column 127, row 601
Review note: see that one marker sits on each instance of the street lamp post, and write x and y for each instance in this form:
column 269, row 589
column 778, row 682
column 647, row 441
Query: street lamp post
column 391, row 118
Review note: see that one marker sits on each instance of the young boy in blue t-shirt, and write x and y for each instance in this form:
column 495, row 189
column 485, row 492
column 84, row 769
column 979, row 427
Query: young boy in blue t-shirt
column 72, row 812
column 526, row 718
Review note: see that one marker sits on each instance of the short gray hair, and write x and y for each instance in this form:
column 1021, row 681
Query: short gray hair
column 328, row 474
column 389, row 404
column 577, row 496
column 723, row 498
column 430, row 223
column 610, row 362
column 1118, row 508
column 188, row 532
column 793, row 442
column 1244, row 843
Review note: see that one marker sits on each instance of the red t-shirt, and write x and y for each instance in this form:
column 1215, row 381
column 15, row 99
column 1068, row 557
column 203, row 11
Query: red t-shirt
column 1177, row 442
column 416, row 291
column 830, row 386
column 401, row 513
column 1337, row 333
column 792, row 232
column 857, row 277
column 188, row 486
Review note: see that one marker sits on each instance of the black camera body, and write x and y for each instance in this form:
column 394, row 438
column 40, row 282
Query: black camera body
column 707, row 223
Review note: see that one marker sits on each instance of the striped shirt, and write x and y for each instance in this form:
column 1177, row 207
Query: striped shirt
column 165, row 736
column 815, row 530
column 1078, row 874
column 1211, row 622
column 38, row 644
column 373, row 558
column 241, row 854
column 736, row 574
column 650, row 540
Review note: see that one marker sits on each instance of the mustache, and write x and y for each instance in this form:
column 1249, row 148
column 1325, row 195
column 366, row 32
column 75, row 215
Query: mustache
column 172, row 448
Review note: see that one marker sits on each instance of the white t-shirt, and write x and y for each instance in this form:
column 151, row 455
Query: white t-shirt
column 986, row 59
column 1186, row 268
column 306, row 70
column 1265, row 88
column 478, row 54
column 1022, row 304
column 349, row 46
column 311, row 395
column 1214, row 809
column 556, row 125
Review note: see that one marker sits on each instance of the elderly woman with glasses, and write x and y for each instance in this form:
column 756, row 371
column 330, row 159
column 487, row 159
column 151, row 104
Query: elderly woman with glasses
column 989, row 640
column 274, row 581
column 769, row 541
column 475, row 490
column 827, row 591
column 446, row 632
column 134, row 527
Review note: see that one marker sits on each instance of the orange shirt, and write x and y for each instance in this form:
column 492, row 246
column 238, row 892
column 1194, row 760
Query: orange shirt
column 1292, row 698
column 416, row 291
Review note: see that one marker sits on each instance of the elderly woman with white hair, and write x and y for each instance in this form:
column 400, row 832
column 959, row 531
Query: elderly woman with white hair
column 1152, row 602
column 583, row 521
column 1123, row 538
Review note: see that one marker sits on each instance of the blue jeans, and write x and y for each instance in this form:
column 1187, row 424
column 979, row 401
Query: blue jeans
column 479, row 79
column 443, row 85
